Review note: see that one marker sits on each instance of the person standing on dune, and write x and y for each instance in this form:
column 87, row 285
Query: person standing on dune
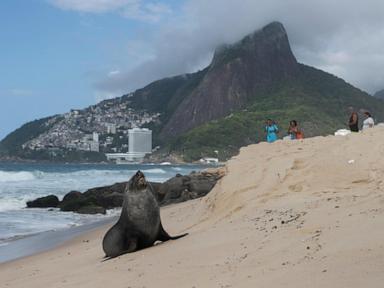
column 271, row 130
column 354, row 122
column 294, row 131
column 368, row 122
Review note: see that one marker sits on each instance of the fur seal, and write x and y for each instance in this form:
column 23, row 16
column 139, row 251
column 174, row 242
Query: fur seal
column 139, row 225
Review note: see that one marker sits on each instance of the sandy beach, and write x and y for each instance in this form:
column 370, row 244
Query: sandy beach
column 289, row 214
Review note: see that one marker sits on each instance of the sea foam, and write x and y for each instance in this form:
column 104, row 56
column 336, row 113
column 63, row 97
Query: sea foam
column 7, row 176
column 20, row 183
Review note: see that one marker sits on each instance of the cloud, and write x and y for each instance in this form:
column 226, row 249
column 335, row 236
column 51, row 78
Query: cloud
column 17, row 92
column 91, row 6
column 342, row 37
column 149, row 12
column 141, row 10
column 113, row 73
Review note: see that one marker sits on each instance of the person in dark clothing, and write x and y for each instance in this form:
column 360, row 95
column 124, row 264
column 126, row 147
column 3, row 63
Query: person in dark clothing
column 354, row 122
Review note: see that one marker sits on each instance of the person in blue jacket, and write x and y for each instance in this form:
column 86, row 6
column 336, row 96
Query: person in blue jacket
column 271, row 130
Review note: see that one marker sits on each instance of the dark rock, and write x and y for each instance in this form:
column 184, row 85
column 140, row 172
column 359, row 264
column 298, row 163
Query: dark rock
column 110, row 201
column 177, row 189
column 117, row 187
column 76, row 203
column 156, row 188
column 182, row 188
column 107, row 197
column 71, row 196
column 72, row 201
column 201, row 186
column 171, row 190
column 44, row 202
column 72, row 205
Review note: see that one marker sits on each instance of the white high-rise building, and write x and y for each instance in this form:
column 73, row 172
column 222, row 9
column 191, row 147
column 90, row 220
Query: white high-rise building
column 95, row 137
column 139, row 145
column 140, row 141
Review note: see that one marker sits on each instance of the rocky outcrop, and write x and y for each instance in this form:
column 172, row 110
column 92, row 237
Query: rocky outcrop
column 182, row 188
column 50, row 201
column 238, row 74
column 97, row 200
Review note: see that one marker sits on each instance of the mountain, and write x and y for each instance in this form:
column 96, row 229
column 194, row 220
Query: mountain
column 379, row 94
column 212, row 112
column 319, row 101
column 238, row 74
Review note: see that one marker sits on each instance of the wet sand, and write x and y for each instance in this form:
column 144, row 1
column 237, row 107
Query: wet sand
column 44, row 241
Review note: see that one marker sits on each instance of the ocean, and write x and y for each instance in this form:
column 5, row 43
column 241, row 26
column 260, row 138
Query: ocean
column 20, row 183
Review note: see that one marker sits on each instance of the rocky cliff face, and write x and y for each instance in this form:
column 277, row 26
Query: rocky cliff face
column 237, row 74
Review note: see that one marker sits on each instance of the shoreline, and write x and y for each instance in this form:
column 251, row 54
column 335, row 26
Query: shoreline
column 46, row 241
column 307, row 217
column 26, row 245
column 25, row 240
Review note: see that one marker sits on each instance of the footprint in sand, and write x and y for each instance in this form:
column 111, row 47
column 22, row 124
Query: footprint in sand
column 361, row 181
column 298, row 187
column 298, row 164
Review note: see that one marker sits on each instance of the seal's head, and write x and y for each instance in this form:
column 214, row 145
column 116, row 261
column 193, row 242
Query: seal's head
column 138, row 181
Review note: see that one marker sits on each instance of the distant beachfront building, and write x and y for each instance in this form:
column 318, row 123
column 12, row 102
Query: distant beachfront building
column 208, row 160
column 139, row 141
column 139, row 145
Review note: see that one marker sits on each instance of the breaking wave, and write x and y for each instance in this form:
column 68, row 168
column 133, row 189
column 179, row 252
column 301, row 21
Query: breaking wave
column 7, row 176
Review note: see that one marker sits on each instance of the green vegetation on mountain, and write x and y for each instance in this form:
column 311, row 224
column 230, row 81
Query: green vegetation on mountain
column 165, row 95
column 12, row 143
column 319, row 101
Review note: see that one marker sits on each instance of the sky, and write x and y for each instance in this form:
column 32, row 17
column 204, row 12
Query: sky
column 57, row 55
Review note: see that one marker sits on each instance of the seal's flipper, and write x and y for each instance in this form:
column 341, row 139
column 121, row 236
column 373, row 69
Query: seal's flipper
column 178, row 236
column 164, row 236
column 132, row 247
column 114, row 241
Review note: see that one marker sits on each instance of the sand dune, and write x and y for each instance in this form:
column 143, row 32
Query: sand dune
column 290, row 214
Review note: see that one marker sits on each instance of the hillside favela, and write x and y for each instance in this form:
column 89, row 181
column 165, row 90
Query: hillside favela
column 191, row 143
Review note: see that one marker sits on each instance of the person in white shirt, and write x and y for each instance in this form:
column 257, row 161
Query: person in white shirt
column 368, row 122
